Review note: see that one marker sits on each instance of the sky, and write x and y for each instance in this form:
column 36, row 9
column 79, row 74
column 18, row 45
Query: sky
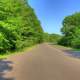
column 52, row 12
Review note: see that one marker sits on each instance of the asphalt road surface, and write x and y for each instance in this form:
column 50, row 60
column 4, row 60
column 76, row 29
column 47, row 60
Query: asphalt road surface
column 44, row 62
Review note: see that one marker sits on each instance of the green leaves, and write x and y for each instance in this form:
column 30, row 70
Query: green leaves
column 71, row 31
column 19, row 26
column 53, row 38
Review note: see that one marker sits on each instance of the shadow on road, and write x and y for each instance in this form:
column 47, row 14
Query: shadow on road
column 71, row 53
column 5, row 66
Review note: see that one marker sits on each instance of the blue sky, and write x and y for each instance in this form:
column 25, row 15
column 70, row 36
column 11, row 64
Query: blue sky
column 52, row 12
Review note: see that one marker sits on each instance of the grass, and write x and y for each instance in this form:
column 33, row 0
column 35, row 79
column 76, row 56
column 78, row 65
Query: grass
column 8, row 54
column 60, row 46
column 74, row 49
column 70, row 48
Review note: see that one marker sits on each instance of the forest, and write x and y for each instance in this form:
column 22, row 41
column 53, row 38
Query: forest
column 71, row 31
column 52, row 38
column 20, row 28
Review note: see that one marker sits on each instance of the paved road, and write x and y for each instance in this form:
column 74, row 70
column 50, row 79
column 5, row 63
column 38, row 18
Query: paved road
column 43, row 63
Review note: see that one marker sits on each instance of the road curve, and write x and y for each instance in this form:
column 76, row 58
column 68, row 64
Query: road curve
column 44, row 63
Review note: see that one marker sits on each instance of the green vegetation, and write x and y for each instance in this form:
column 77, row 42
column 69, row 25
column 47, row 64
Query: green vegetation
column 19, row 26
column 19, row 52
column 71, row 31
column 51, row 38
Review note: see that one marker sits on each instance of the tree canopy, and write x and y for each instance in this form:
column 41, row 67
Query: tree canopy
column 19, row 26
column 52, row 38
column 71, row 31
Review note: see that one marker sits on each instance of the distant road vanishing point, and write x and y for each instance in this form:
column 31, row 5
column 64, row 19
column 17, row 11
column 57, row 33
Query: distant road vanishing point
column 44, row 62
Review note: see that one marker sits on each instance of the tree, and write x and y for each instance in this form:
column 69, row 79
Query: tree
column 52, row 38
column 71, row 31
column 19, row 26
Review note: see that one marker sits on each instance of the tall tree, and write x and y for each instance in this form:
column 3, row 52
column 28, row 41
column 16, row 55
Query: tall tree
column 71, row 31
column 19, row 26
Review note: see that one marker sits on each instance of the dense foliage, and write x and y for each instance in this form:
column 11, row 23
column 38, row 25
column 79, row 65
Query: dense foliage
column 19, row 26
column 51, row 38
column 71, row 31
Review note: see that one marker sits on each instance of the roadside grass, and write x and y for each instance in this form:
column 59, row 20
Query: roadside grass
column 64, row 47
column 75, row 49
column 23, row 51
